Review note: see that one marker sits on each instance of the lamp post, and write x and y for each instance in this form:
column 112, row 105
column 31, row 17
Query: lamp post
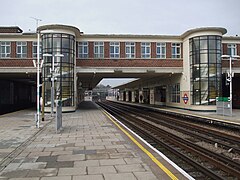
column 52, row 78
column 230, row 76
column 38, row 72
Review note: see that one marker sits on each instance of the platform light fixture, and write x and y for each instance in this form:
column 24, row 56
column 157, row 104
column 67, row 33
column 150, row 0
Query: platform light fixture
column 38, row 72
column 230, row 76
column 52, row 78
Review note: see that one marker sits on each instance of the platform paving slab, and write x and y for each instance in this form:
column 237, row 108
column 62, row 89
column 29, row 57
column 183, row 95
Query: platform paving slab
column 89, row 147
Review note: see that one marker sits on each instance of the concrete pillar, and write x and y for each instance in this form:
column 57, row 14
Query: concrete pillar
column 141, row 97
column 127, row 96
column 152, row 100
column 121, row 96
column 133, row 96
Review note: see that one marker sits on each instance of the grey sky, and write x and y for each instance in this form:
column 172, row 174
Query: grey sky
column 124, row 16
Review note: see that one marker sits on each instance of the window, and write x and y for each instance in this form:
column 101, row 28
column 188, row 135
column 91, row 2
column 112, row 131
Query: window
column 145, row 50
column 130, row 50
column 175, row 93
column 98, row 49
column 5, row 49
column 34, row 49
column 161, row 50
column 83, row 49
column 176, row 50
column 65, row 44
column 114, row 49
column 206, row 71
column 232, row 49
column 21, row 49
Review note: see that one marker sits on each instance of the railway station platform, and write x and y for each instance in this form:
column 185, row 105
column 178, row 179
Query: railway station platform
column 90, row 146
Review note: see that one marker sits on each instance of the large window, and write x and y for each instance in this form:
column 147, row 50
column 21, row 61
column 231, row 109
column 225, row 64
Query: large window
column 83, row 49
column 176, row 50
column 175, row 93
column 98, row 49
column 145, row 50
column 205, row 63
column 232, row 49
column 5, row 49
column 22, row 49
column 53, row 45
column 34, row 49
column 114, row 50
column 130, row 49
column 161, row 50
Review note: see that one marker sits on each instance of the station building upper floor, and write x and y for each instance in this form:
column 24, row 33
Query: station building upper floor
column 194, row 57
column 117, row 50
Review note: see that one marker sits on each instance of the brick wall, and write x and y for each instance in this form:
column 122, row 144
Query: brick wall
column 153, row 50
column 138, row 49
column 13, row 50
column 122, row 50
column 91, row 49
column 168, row 50
column 16, row 63
column 29, row 49
column 130, row 63
column 224, row 48
column 106, row 50
column 238, row 49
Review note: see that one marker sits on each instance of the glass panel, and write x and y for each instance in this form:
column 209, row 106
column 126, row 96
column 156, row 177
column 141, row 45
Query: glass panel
column 206, row 54
column 64, row 68
column 204, row 58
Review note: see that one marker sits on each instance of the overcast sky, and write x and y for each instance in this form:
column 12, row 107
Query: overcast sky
column 163, row 17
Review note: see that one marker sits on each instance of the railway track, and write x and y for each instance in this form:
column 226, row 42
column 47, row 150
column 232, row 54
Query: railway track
column 203, row 152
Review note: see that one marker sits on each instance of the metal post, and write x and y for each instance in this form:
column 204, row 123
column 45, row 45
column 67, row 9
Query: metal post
column 38, row 78
column 230, row 85
column 38, row 72
column 43, row 99
column 52, row 88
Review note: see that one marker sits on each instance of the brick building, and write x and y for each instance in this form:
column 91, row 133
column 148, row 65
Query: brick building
column 184, row 71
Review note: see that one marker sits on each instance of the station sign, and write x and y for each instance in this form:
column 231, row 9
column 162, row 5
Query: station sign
column 185, row 98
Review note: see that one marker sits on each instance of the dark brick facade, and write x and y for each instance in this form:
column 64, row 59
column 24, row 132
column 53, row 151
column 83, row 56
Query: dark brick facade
column 91, row 49
column 153, row 50
column 122, row 50
column 16, row 63
column 29, row 49
column 14, row 29
column 168, row 50
column 106, row 50
column 129, row 63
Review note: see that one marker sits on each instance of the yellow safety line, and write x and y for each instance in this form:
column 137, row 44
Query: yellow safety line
column 159, row 164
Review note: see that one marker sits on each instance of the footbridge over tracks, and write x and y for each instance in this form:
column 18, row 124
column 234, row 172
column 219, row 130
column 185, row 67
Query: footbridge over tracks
column 169, row 66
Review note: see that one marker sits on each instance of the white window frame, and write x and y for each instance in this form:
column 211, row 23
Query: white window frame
column 232, row 49
column 130, row 49
column 145, row 50
column 175, row 93
column 83, row 49
column 21, row 49
column 161, row 50
column 176, row 50
column 34, row 49
column 114, row 49
column 5, row 49
column 98, row 49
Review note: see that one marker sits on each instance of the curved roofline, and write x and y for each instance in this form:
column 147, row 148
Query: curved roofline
column 60, row 26
column 191, row 31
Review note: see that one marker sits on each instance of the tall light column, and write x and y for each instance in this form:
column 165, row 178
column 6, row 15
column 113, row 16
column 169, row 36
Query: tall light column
column 230, row 76
column 38, row 79
column 38, row 71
